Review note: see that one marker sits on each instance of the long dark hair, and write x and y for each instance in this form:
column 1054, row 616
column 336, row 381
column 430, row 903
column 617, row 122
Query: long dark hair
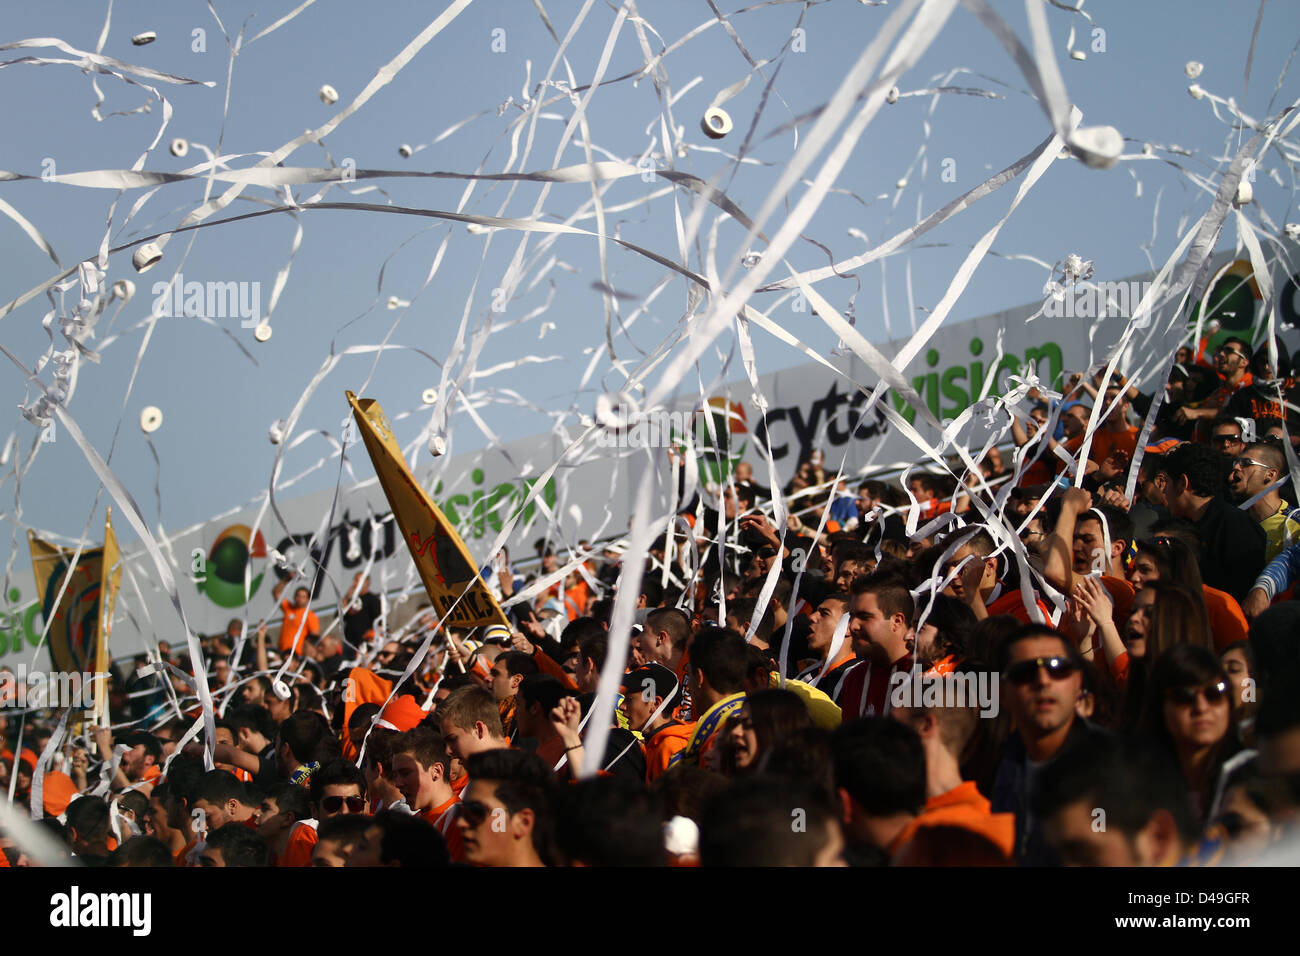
column 1187, row 665
column 776, row 715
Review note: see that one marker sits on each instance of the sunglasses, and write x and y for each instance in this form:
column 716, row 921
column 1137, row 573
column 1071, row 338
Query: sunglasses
column 1186, row 696
column 1024, row 672
column 333, row 804
column 1244, row 463
column 1226, row 440
column 1229, row 352
column 474, row 812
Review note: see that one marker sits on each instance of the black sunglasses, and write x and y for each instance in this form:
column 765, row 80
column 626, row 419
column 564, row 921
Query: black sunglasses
column 1186, row 696
column 474, row 812
column 1024, row 672
column 333, row 804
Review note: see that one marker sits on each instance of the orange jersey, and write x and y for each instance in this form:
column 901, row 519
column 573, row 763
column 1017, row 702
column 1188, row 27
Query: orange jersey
column 294, row 631
column 1012, row 603
column 963, row 806
column 443, row 819
column 662, row 745
column 1104, row 442
column 1227, row 622
column 302, row 841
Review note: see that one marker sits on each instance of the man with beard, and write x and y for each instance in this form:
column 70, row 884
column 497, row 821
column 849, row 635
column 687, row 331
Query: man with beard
column 880, row 629
column 1257, row 467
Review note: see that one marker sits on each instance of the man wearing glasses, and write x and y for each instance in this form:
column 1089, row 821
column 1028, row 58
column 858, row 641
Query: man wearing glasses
column 1232, row 362
column 1257, row 467
column 1042, row 681
column 1226, row 436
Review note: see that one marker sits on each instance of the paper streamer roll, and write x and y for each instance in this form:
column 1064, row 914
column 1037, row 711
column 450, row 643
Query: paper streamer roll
column 1098, row 146
column 150, row 419
column 430, row 396
column 328, row 95
column 716, row 123
column 144, row 39
column 179, row 147
column 404, row 151
column 146, row 257
column 123, row 289
column 262, row 332
column 1193, row 69
column 437, row 446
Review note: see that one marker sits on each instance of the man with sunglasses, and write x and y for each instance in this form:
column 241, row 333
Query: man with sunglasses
column 1042, row 681
column 1257, row 467
column 336, row 788
column 506, row 817
column 1232, row 363
column 1227, row 436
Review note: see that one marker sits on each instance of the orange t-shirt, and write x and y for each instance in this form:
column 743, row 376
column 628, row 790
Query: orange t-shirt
column 963, row 806
column 1104, row 442
column 293, row 631
column 1227, row 622
column 1012, row 603
column 443, row 818
column 302, row 841
column 180, row 855
column 459, row 784
column 662, row 745
column 1121, row 598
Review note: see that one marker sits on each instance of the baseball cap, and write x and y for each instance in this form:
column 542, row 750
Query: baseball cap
column 656, row 681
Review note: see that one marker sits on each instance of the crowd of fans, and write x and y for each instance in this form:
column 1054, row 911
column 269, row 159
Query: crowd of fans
column 1085, row 652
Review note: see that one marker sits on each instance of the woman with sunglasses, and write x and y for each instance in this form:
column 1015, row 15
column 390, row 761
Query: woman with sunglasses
column 1188, row 710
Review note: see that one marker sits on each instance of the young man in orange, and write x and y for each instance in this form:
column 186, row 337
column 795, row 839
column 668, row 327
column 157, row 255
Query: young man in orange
column 945, row 731
column 221, row 798
column 663, row 640
column 470, row 723
column 538, row 695
column 299, row 620
column 420, row 763
column 718, row 664
column 977, row 585
column 336, row 788
column 649, row 695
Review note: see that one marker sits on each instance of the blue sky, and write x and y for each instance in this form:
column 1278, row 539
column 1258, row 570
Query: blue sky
column 213, row 453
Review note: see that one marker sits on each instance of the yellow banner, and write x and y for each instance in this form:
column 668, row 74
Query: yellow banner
column 110, row 579
column 73, row 623
column 440, row 555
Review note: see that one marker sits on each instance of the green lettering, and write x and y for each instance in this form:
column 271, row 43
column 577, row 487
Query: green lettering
column 1050, row 351
column 952, row 391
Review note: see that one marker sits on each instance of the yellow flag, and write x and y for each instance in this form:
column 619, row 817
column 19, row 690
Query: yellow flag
column 109, row 581
column 72, row 623
column 440, row 555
